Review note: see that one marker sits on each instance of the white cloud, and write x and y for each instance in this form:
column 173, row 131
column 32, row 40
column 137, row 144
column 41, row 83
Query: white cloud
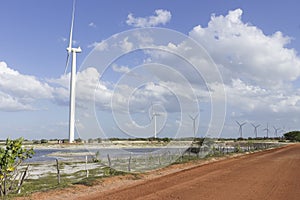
column 100, row 46
column 160, row 17
column 126, row 45
column 20, row 90
column 251, row 98
column 90, row 88
column 259, row 70
column 9, row 103
column 120, row 69
column 244, row 51
column 92, row 24
column 63, row 39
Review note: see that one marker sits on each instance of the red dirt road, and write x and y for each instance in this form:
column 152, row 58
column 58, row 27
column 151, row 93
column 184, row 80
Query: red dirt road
column 273, row 175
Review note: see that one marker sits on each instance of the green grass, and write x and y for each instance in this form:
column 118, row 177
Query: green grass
column 50, row 181
column 89, row 181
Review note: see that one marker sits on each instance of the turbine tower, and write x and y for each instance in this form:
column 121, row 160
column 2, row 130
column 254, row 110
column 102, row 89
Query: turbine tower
column 255, row 129
column 267, row 129
column 74, row 51
column 154, row 115
column 241, row 128
column 194, row 123
column 275, row 131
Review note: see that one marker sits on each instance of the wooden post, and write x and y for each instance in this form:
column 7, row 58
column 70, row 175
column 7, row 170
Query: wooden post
column 58, row 172
column 129, row 163
column 159, row 163
column 109, row 162
column 109, row 165
column 22, row 180
column 87, row 171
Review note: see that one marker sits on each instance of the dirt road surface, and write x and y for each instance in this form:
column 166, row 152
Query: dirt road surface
column 274, row 174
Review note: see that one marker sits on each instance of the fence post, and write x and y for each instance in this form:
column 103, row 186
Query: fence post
column 109, row 162
column 129, row 163
column 87, row 171
column 58, row 172
column 22, row 179
column 159, row 163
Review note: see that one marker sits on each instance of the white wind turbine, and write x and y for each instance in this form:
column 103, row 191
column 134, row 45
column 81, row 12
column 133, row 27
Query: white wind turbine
column 194, row 123
column 74, row 51
column 241, row 128
column 154, row 115
column 276, row 131
column 267, row 129
column 255, row 129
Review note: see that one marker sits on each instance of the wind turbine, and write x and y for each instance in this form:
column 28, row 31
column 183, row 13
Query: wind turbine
column 74, row 51
column 275, row 131
column 267, row 129
column 154, row 115
column 255, row 129
column 194, row 124
column 241, row 128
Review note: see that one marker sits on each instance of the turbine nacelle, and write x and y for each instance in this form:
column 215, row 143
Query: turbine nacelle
column 72, row 49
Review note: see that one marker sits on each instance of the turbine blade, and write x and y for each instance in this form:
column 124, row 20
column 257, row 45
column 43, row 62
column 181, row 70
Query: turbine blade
column 67, row 63
column 69, row 48
column 71, row 30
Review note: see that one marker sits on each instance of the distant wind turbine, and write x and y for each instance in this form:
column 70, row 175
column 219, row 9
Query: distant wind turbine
column 255, row 129
column 194, row 123
column 241, row 128
column 74, row 51
column 154, row 115
column 275, row 131
column 267, row 129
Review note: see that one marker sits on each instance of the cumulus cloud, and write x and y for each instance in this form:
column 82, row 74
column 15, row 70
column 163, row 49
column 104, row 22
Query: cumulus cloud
column 249, row 98
column 160, row 17
column 244, row 51
column 18, row 91
column 260, row 64
column 258, row 69
column 88, row 89
column 126, row 45
column 120, row 69
column 9, row 103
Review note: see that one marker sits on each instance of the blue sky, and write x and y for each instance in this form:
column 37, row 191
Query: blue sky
column 262, row 86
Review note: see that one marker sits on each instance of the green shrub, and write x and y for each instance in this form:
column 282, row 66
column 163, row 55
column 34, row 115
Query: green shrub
column 11, row 157
column 44, row 141
column 293, row 136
